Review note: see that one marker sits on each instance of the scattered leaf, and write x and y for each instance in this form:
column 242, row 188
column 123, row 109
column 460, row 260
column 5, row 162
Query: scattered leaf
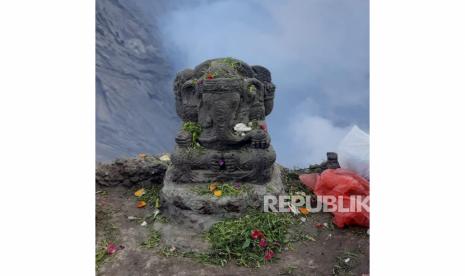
column 293, row 209
column 246, row 243
column 165, row 158
column 212, row 187
column 308, row 237
column 304, row 211
column 140, row 192
column 141, row 204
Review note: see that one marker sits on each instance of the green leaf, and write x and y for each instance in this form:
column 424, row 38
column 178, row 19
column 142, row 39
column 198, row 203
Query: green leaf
column 246, row 243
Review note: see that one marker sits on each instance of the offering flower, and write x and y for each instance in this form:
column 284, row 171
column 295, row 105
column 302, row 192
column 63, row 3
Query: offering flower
column 256, row 234
column 111, row 248
column 269, row 254
column 262, row 243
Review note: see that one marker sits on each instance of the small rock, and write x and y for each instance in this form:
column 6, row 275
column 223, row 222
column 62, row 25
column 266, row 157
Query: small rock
column 132, row 171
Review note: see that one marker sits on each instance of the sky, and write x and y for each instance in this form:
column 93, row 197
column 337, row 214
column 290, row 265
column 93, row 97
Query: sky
column 317, row 52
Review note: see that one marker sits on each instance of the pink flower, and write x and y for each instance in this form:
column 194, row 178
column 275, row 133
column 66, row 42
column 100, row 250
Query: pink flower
column 111, row 248
column 264, row 127
column 262, row 243
column 256, row 234
column 269, row 254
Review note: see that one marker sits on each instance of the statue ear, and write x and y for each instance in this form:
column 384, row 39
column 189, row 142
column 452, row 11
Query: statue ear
column 261, row 73
column 181, row 78
column 180, row 81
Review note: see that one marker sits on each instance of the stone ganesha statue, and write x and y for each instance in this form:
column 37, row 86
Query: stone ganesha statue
column 223, row 103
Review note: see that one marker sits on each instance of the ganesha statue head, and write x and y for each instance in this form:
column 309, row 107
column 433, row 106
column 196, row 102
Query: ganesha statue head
column 223, row 104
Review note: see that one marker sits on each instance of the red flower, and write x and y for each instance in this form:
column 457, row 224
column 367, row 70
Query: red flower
column 269, row 254
column 209, row 76
column 111, row 248
column 262, row 243
column 256, row 234
column 264, row 127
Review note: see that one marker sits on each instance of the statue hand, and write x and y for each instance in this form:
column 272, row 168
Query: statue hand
column 231, row 162
column 183, row 138
column 260, row 139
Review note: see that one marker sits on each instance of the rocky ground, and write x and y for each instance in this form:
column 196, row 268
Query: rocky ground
column 319, row 249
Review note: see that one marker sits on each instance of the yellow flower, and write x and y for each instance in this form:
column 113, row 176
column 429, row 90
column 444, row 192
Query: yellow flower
column 139, row 192
column 217, row 193
column 212, row 187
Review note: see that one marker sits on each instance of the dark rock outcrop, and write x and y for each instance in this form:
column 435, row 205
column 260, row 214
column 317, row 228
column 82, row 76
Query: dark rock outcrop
column 141, row 171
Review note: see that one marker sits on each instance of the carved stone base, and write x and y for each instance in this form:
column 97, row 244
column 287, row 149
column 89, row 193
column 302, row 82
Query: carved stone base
column 187, row 207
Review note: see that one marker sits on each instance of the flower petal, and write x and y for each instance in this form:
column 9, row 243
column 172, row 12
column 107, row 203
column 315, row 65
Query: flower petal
column 141, row 204
column 140, row 192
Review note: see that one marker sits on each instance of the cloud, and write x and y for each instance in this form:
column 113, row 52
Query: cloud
column 317, row 51
column 315, row 136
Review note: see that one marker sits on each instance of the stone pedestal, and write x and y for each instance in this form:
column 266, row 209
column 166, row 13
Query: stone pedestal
column 185, row 206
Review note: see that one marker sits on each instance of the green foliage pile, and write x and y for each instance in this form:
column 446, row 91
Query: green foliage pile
column 230, row 62
column 230, row 239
